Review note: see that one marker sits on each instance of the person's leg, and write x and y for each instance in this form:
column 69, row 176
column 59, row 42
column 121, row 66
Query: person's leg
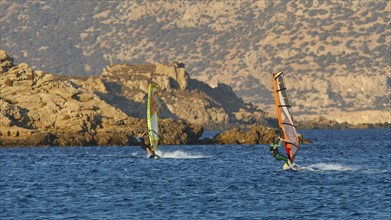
column 149, row 151
column 280, row 157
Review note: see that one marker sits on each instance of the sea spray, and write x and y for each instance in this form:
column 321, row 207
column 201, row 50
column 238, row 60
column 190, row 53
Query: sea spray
column 178, row 154
column 330, row 167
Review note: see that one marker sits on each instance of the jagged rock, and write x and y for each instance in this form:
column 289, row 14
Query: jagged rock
column 91, row 84
column 322, row 123
column 41, row 109
column 10, row 114
column 41, row 139
column 176, row 71
column 180, row 132
column 256, row 135
column 125, row 86
column 12, row 136
column 6, row 62
column 106, row 109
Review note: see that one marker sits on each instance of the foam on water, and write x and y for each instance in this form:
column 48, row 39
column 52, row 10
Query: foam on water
column 178, row 154
column 329, row 167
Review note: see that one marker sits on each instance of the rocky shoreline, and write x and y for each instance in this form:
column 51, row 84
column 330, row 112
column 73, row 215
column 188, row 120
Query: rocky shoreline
column 42, row 109
column 324, row 123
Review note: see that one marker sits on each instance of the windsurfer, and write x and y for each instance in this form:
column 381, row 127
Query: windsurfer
column 279, row 142
column 140, row 139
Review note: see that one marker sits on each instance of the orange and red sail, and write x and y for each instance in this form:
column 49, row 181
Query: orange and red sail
column 285, row 119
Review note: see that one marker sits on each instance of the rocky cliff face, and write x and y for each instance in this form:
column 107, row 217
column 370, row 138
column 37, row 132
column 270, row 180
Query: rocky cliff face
column 336, row 54
column 44, row 109
column 125, row 87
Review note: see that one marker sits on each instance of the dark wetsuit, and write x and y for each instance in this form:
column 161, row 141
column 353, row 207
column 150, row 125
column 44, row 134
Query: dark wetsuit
column 141, row 141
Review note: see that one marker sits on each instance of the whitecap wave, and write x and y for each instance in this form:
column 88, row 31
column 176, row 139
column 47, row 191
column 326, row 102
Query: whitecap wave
column 178, row 154
column 330, row 167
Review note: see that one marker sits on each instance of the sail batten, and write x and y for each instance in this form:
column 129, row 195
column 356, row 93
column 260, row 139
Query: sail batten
column 284, row 115
column 292, row 144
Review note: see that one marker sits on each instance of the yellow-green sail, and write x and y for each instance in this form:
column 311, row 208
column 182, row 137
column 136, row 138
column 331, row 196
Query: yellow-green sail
column 153, row 114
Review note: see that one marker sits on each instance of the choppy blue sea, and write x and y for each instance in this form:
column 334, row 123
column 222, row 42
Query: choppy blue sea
column 346, row 175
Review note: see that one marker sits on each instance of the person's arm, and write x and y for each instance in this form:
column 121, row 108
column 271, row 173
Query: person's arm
column 273, row 149
column 280, row 141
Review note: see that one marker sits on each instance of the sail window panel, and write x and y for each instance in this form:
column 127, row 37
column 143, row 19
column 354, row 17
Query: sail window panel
column 281, row 98
column 285, row 116
column 286, row 101
column 281, row 85
column 294, row 135
column 289, row 129
column 290, row 112
column 280, row 78
column 294, row 150
column 291, row 133
column 284, row 94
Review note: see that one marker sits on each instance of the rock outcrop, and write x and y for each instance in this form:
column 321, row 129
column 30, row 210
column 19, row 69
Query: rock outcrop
column 125, row 87
column 45, row 109
column 255, row 135
column 6, row 62
column 324, row 123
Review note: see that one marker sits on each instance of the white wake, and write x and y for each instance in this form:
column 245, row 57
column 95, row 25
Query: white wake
column 329, row 167
column 178, row 154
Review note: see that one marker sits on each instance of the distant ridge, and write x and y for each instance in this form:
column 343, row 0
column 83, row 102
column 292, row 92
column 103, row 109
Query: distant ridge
column 336, row 53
